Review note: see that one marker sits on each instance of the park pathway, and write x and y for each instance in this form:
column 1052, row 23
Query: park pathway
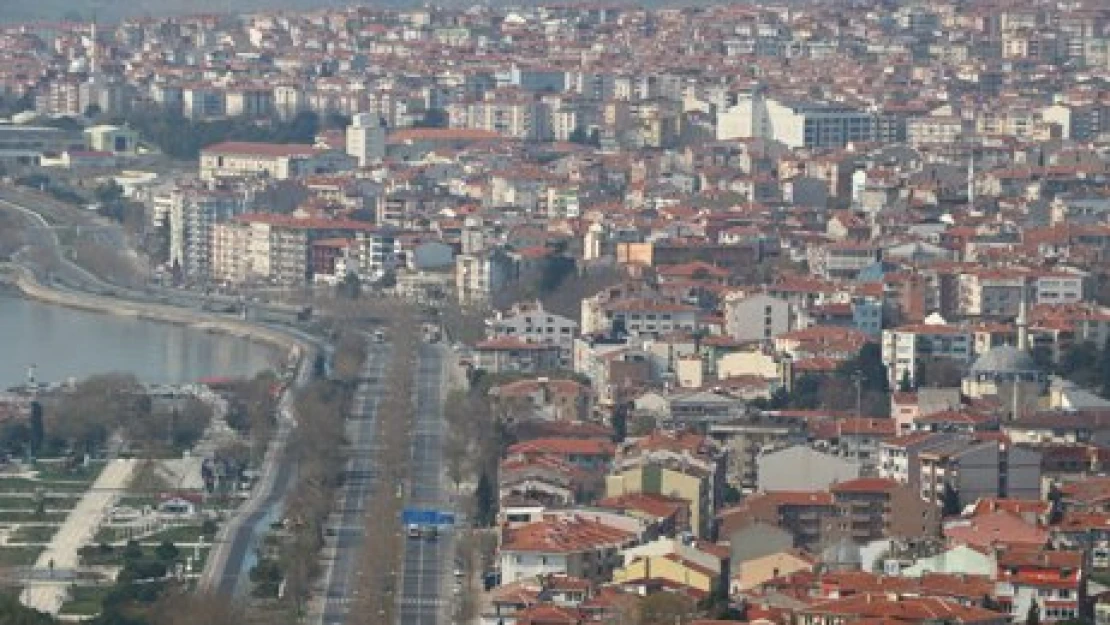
column 77, row 531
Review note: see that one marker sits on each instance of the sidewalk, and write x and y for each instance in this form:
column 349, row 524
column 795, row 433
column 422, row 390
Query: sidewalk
column 76, row 532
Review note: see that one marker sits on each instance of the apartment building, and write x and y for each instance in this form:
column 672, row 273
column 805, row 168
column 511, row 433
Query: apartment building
column 977, row 468
column 843, row 259
column 907, row 347
column 872, row 508
column 275, row 249
column 507, row 112
column 647, row 317
column 193, row 213
column 687, row 466
column 481, row 275
column 529, row 321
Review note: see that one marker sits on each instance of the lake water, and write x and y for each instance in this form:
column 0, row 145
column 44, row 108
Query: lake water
column 65, row 343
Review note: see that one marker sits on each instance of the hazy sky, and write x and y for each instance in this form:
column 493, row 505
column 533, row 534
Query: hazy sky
column 113, row 10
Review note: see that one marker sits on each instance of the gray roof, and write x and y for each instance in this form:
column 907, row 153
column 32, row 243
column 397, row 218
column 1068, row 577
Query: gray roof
column 1004, row 359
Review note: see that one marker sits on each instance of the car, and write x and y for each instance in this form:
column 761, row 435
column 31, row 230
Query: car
column 431, row 532
column 414, row 531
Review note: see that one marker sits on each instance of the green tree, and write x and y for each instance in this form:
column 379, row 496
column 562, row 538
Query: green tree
column 619, row 422
column 37, row 430
column 133, row 550
column 950, row 501
column 485, row 502
column 905, row 385
column 166, row 552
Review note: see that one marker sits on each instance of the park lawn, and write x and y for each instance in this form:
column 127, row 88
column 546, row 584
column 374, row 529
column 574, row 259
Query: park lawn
column 57, row 472
column 29, row 516
column 26, row 485
column 19, row 556
column 28, row 503
column 33, row 533
column 86, row 600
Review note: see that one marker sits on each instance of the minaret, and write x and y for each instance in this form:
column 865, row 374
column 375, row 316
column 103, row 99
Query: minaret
column 971, row 181
column 1023, row 322
column 94, row 60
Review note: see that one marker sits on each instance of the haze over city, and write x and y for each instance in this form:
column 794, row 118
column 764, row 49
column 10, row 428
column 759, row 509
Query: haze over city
column 555, row 314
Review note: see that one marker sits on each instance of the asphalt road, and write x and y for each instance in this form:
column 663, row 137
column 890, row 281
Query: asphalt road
column 341, row 576
column 428, row 564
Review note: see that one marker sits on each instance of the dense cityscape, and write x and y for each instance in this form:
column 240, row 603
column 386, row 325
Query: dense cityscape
column 783, row 314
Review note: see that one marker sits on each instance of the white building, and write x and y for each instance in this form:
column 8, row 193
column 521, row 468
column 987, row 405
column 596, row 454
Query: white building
column 906, row 348
column 796, row 124
column 277, row 161
column 529, row 322
column 366, row 137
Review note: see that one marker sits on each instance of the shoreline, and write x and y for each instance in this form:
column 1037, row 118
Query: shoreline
column 19, row 281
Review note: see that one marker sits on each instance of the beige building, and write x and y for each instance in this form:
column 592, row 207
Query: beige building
column 280, row 162
column 757, row 571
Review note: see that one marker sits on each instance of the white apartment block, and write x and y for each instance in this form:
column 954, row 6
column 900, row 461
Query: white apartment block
column 529, row 322
column 192, row 214
column 906, row 348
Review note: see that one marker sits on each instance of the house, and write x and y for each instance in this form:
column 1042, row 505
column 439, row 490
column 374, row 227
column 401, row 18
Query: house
column 508, row 354
column 1053, row 579
column 574, row 546
column 584, row 454
column 754, row 572
column 881, row 607
column 667, row 563
column 688, row 466
column 550, row 399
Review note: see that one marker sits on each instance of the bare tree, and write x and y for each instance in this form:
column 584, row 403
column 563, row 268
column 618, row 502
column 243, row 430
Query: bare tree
column 179, row 607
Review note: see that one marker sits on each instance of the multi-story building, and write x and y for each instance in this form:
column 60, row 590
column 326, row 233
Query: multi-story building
column 193, row 214
column 687, row 466
column 529, row 322
column 906, row 348
column 843, row 259
column 276, row 161
column 875, row 508
column 275, row 249
column 479, row 276
column 366, row 139
column 977, row 468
